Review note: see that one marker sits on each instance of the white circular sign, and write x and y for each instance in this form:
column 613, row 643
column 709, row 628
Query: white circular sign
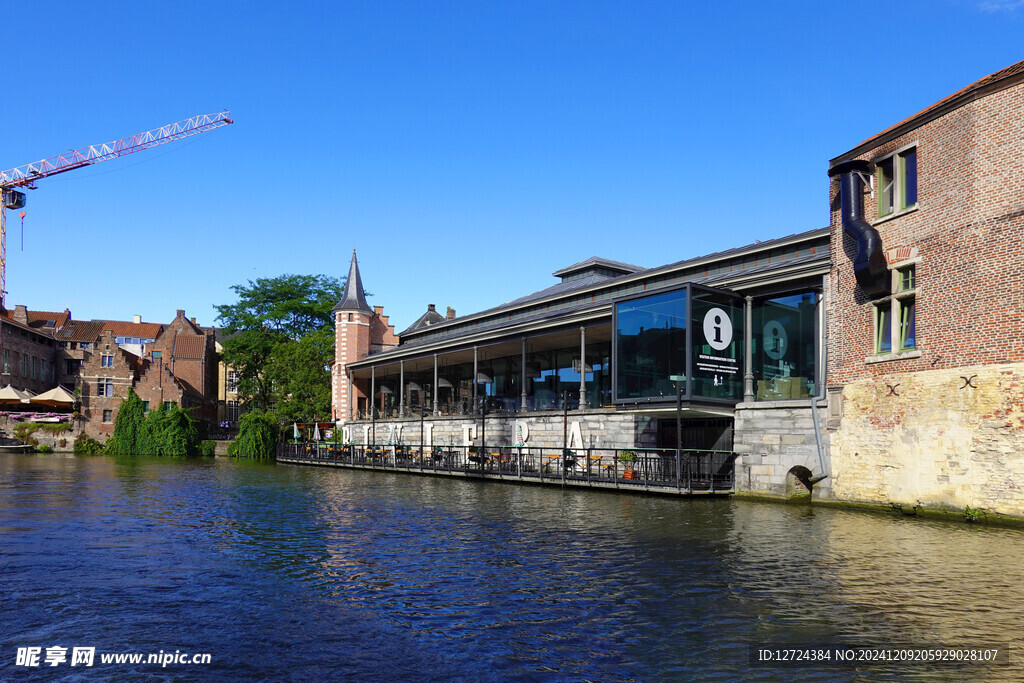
column 717, row 329
column 775, row 340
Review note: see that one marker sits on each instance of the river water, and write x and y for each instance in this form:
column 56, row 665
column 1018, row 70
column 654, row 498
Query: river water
column 283, row 572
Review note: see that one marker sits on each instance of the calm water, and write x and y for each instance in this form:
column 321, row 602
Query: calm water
column 285, row 572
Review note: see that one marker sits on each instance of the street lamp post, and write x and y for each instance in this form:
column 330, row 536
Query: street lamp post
column 679, row 379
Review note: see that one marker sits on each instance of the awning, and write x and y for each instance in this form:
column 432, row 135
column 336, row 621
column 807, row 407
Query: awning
column 57, row 397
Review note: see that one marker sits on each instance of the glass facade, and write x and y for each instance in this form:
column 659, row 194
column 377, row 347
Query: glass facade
column 650, row 345
column 654, row 335
column 785, row 348
column 716, row 366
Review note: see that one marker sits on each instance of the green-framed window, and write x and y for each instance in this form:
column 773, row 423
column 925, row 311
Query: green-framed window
column 896, row 182
column 896, row 315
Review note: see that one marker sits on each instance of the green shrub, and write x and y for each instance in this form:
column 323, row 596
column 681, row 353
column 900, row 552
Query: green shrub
column 128, row 427
column 86, row 445
column 207, row 447
column 55, row 427
column 257, row 436
column 44, row 448
column 23, row 432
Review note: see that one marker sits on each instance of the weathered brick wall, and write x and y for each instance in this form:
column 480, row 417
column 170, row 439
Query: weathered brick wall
column 968, row 230
column 909, row 429
column 382, row 332
column 122, row 374
column 22, row 343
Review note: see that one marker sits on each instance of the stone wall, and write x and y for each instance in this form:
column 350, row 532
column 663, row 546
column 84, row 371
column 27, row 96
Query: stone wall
column 773, row 438
column 941, row 438
column 597, row 429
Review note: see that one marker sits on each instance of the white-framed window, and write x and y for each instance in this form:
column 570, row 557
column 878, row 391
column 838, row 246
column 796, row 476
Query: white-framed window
column 108, row 416
column 104, row 386
column 233, row 381
column 896, row 181
column 896, row 315
column 106, row 361
column 232, row 411
column 7, row 361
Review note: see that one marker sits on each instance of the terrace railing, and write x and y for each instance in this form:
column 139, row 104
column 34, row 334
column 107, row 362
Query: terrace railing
column 685, row 470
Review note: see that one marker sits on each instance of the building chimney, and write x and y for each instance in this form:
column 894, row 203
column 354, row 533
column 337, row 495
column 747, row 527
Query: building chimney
column 430, row 307
column 181, row 313
column 20, row 314
column 451, row 314
column 193, row 320
column 136, row 319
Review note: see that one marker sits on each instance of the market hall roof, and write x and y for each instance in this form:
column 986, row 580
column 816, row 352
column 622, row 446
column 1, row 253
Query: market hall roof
column 761, row 263
column 353, row 299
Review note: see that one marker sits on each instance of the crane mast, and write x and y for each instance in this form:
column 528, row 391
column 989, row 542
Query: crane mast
column 27, row 175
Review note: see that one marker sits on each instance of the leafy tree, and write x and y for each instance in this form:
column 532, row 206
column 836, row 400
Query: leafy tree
column 257, row 436
column 300, row 374
column 128, row 427
column 266, row 341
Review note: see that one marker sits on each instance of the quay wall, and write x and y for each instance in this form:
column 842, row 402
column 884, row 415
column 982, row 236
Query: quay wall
column 587, row 429
column 774, row 439
column 941, row 438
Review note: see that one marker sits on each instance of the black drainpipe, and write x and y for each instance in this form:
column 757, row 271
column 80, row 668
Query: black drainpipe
column 869, row 265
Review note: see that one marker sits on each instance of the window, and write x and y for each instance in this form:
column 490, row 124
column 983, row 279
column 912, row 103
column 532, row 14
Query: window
column 233, row 381
column 785, row 352
column 24, row 365
column 168, row 405
column 233, row 411
column 104, row 387
column 7, row 361
column 108, row 416
column 896, row 182
column 84, row 345
column 896, row 316
column 145, row 407
column 107, row 361
column 157, row 355
column 35, row 368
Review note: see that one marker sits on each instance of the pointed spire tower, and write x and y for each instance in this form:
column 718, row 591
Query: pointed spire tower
column 352, row 319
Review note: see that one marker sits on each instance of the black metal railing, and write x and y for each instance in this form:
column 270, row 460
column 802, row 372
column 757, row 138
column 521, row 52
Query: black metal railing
column 684, row 470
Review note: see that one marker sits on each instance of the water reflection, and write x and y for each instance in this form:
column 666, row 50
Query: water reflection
column 321, row 572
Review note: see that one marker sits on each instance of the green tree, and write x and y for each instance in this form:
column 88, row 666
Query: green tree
column 266, row 341
column 129, row 427
column 257, row 436
column 300, row 373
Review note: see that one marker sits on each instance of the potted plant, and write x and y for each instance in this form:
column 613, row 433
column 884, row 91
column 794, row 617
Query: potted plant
column 628, row 460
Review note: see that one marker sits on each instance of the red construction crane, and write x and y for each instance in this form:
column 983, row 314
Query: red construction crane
column 27, row 175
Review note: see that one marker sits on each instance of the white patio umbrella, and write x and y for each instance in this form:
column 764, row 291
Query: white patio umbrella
column 316, row 431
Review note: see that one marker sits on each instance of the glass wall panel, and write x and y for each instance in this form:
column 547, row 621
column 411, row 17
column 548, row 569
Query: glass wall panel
column 650, row 339
column 717, row 338
column 785, row 352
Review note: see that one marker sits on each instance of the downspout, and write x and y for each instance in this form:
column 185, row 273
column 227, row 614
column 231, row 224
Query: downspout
column 869, row 265
column 820, row 394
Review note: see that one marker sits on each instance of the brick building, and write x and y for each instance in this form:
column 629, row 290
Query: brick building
column 926, row 340
column 99, row 360
column 358, row 331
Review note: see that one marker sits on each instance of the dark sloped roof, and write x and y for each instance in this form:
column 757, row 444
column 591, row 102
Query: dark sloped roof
column 597, row 262
column 353, row 299
column 429, row 318
column 81, row 331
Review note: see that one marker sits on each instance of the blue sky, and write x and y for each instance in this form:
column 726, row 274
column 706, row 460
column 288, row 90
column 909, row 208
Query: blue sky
column 466, row 149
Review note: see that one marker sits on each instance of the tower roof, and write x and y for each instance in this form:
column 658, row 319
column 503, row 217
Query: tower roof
column 353, row 299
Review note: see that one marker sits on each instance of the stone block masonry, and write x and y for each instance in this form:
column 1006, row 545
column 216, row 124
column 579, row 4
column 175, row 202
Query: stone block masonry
column 951, row 438
column 772, row 439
